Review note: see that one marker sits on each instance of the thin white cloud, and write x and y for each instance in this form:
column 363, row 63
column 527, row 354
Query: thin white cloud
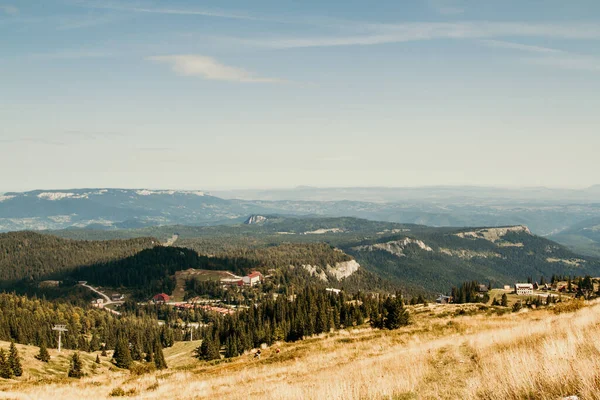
column 445, row 7
column 8, row 9
column 165, row 10
column 519, row 46
column 405, row 32
column 70, row 55
column 568, row 62
column 209, row 68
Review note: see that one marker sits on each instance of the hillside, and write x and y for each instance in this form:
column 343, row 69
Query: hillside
column 415, row 257
column 449, row 352
column 32, row 256
column 583, row 237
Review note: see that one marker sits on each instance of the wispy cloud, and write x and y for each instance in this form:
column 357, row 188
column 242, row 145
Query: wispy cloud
column 92, row 135
column 69, row 55
column 35, row 140
column 9, row 9
column 406, row 32
column 445, row 7
column 87, row 22
column 568, row 62
column 209, row 68
column 519, row 46
column 147, row 9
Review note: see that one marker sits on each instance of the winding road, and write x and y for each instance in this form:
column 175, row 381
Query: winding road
column 107, row 300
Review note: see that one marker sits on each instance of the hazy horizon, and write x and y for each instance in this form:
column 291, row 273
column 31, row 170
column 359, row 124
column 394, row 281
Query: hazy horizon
column 222, row 96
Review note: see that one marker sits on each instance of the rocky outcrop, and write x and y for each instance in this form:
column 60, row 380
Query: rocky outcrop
column 493, row 234
column 340, row 271
column 395, row 247
column 255, row 219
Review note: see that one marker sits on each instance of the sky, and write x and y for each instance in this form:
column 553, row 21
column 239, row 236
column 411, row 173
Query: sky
column 269, row 94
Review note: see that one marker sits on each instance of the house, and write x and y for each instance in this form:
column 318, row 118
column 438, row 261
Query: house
column 443, row 299
column 117, row 297
column 161, row 298
column 98, row 303
column 507, row 287
column 523, row 289
column 482, row 289
column 332, row 290
column 253, row 279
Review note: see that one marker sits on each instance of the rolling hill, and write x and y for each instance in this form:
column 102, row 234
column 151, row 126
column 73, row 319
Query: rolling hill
column 414, row 257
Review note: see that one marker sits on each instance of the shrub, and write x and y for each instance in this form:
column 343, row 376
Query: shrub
column 142, row 368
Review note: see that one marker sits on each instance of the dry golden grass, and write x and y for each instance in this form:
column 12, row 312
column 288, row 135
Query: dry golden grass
column 529, row 355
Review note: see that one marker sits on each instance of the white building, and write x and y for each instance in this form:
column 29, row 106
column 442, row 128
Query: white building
column 523, row 289
column 252, row 279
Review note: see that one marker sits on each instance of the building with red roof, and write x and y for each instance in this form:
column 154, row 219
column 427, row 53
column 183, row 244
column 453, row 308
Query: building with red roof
column 161, row 298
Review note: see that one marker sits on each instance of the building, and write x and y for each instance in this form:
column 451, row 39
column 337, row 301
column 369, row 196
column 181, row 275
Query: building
column 482, row 289
column 523, row 289
column 99, row 303
column 507, row 287
column 443, row 299
column 117, row 297
column 161, row 298
column 253, row 279
column 333, row 290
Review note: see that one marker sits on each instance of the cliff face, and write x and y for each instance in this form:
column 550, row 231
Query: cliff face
column 339, row 271
column 255, row 219
column 395, row 247
column 493, row 234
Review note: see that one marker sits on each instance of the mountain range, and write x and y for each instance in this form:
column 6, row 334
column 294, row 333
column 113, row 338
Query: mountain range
column 553, row 213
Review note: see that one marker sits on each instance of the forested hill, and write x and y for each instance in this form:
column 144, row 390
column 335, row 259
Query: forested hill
column 29, row 255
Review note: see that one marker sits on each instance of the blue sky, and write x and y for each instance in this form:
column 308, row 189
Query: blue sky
column 236, row 94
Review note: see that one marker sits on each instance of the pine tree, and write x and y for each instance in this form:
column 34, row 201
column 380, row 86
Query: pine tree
column 76, row 369
column 43, row 355
column 397, row 316
column 14, row 360
column 122, row 356
column 159, row 357
column 5, row 369
column 209, row 349
column 504, row 301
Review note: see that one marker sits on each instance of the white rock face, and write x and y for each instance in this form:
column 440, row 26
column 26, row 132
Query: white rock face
column 396, row 247
column 3, row 198
column 341, row 270
column 314, row 272
column 55, row 195
column 493, row 234
column 322, row 231
column 255, row 219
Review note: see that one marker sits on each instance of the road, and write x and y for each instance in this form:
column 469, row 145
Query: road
column 107, row 300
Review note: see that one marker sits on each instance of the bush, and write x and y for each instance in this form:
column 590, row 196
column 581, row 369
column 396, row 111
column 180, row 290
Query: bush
column 142, row 368
column 569, row 306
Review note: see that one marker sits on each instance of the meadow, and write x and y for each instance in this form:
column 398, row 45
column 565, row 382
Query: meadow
column 448, row 352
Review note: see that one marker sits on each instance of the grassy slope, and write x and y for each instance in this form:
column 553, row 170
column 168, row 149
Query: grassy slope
column 440, row 356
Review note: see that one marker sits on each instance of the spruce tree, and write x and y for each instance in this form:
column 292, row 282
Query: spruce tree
column 5, row 369
column 159, row 357
column 43, row 355
column 122, row 356
column 97, row 359
column 504, row 301
column 76, row 369
column 14, row 360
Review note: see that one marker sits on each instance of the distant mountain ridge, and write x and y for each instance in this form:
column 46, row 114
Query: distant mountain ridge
column 547, row 212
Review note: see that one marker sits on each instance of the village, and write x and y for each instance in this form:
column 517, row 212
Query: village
column 523, row 291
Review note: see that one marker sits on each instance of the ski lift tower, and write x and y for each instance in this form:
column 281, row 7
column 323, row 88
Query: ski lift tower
column 60, row 329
